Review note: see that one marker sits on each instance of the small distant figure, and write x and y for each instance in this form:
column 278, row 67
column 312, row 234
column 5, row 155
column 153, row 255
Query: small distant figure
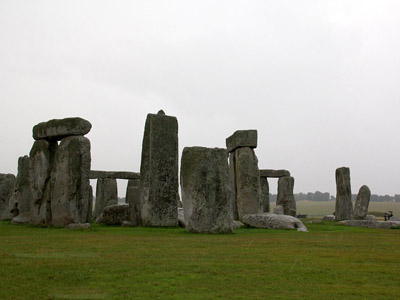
column 388, row 215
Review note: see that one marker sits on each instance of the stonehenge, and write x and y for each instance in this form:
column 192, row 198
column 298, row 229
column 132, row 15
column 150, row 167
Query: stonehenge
column 133, row 199
column 106, row 195
column 344, row 206
column 362, row 203
column 7, row 184
column 285, row 195
column 273, row 221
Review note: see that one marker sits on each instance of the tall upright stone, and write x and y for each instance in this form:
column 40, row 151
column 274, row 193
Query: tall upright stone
column 232, row 183
column 159, row 171
column 344, row 206
column 41, row 160
column 285, row 196
column 89, row 215
column 106, row 194
column 362, row 203
column 133, row 199
column 69, row 182
column 7, row 186
column 206, row 190
column 265, row 194
column 20, row 200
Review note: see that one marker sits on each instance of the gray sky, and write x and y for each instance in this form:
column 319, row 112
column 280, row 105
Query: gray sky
column 319, row 80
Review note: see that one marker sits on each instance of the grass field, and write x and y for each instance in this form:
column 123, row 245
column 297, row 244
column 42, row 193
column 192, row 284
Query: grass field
column 322, row 208
column 328, row 262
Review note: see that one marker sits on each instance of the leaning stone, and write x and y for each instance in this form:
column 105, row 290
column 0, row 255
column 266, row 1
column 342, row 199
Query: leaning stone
column 69, row 182
column 242, row 138
column 273, row 221
column 274, row 173
column 328, row 218
column 371, row 224
column 41, row 160
column 94, row 174
column 106, row 195
column 159, row 171
column 247, row 180
column 278, row 210
column 20, row 201
column 7, row 186
column 264, row 194
column 362, row 203
column 205, row 190
column 57, row 129
column 133, row 199
column 79, row 226
column 115, row 214
column 285, row 195
column 22, row 219
column 344, row 206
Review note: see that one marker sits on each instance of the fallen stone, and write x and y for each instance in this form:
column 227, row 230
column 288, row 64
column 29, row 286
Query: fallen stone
column 392, row 218
column 79, row 226
column 114, row 214
column 242, row 138
column 362, row 203
column 264, row 194
column 94, row 174
column 278, row 210
column 58, row 129
column 285, row 196
column 273, row 221
column 274, row 173
column 106, row 195
column 344, row 206
column 328, row 218
column 371, row 224
column 7, row 186
column 22, row 219
column 159, row 171
column 20, row 201
column 69, row 182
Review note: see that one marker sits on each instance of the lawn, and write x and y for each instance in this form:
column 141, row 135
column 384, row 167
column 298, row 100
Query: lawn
column 329, row 262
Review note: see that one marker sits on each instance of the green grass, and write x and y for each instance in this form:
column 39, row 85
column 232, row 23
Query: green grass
column 329, row 262
column 322, row 208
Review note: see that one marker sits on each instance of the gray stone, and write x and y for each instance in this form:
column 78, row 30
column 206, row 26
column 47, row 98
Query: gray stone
column 94, row 174
column 133, row 199
column 22, row 219
column 69, row 182
column 57, row 129
column 344, row 206
column 106, row 195
column 159, row 171
column 362, row 203
column 127, row 224
column 373, row 218
column 274, row 173
column 273, row 221
column 264, row 194
column 133, row 183
column 237, row 224
column 79, row 226
column 205, row 190
column 278, row 210
column 328, row 218
column 232, row 183
column 41, row 161
column 114, row 214
column 242, row 138
column 247, row 182
column 181, row 218
column 392, row 218
column 89, row 216
column 7, row 186
column 20, row 200
column 371, row 224
column 285, row 195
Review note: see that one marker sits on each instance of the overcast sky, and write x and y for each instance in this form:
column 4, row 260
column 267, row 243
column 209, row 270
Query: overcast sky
column 319, row 80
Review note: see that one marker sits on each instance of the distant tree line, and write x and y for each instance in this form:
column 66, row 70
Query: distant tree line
column 319, row 196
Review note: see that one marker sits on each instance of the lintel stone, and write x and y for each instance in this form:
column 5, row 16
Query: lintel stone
column 242, row 138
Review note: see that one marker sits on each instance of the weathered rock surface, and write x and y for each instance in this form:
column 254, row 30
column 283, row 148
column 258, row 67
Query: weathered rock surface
column 114, row 214
column 206, row 190
column 371, row 224
column 106, row 195
column 159, row 171
column 232, row 183
column 247, row 182
column 264, row 194
column 274, row 173
column 89, row 216
column 57, row 129
column 22, row 219
column 94, row 174
column 344, row 206
column 133, row 199
column 328, row 218
column 79, row 226
column 181, row 218
column 242, row 138
column 41, row 160
column 20, row 200
column 285, row 196
column 362, row 203
column 273, row 221
column 69, row 182
column 278, row 210
column 7, row 186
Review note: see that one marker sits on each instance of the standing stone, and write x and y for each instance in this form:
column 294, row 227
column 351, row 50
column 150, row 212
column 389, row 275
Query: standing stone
column 20, row 201
column 69, row 182
column 362, row 203
column 344, row 206
column 106, row 194
column 264, row 194
column 205, row 190
column 133, row 199
column 232, row 182
column 285, row 195
column 41, row 160
column 159, row 171
column 89, row 216
column 7, row 186
column 247, row 182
